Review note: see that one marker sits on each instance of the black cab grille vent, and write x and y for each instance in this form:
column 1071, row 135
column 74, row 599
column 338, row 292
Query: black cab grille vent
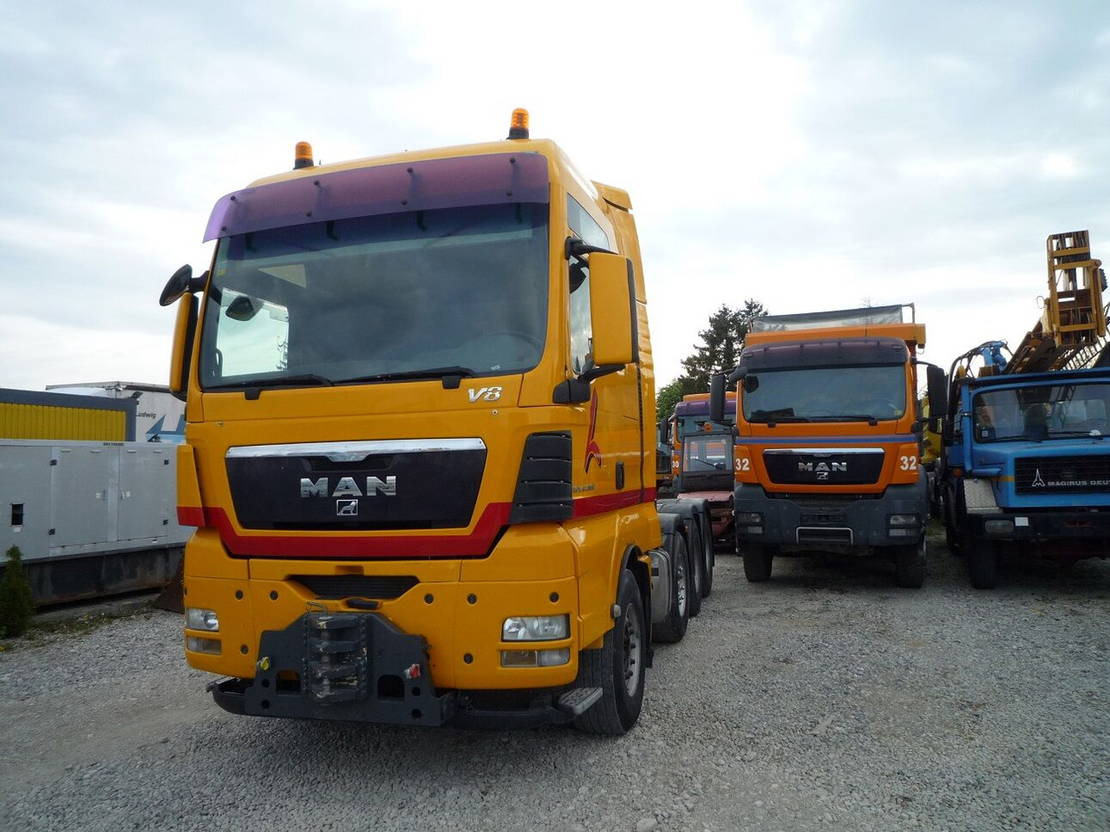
column 543, row 487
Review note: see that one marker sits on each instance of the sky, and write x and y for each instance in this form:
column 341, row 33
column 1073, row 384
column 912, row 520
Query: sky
column 807, row 154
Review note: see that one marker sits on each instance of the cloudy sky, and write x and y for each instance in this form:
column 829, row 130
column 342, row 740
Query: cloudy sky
column 809, row 154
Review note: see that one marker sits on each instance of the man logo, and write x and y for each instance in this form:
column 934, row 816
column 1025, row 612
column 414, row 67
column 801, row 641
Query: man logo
column 346, row 508
column 822, row 469
column 347, row 487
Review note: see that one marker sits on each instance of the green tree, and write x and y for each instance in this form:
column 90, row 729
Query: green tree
column 721, row 343
column 666, row 398
column 16, row 602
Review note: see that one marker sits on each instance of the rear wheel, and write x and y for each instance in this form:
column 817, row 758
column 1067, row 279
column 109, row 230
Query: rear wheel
column 617, row 668
column 672, row 628
column 697, row 566
column 709, row 553
column 757, row 562
column 909, row 565
column 982, row 563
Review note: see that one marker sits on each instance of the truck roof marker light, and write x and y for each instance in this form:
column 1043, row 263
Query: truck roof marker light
column 518, row 125
column 302, row 156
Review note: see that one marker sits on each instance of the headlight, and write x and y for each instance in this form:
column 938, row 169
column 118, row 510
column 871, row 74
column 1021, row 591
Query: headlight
column 903, row 520
column 535, row 628
column 198, row 619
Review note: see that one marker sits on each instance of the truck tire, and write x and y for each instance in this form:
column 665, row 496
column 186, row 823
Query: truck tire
column 909, row 565
column 617, row 667
column 698, row 570
column 982, row 563
column 672, row 628
column 757, row 562
column 709, row 553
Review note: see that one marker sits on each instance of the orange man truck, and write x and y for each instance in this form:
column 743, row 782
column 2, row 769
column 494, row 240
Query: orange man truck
column 828, row 446
column 420, row 445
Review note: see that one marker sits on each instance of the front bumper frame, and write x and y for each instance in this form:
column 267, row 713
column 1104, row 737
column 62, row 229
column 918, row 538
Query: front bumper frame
column 375, row 673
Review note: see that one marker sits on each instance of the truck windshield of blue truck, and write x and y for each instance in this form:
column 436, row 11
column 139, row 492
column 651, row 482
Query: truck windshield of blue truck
column 348, row 300
column 828, row 394
column 1057, row 411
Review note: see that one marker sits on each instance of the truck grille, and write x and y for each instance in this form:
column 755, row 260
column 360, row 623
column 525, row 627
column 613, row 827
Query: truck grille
column 358, row 485
column 1062, row 474
column 824, row 466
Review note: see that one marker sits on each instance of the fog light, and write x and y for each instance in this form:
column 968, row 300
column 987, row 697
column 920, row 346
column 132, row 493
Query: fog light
column 535, row 628
column 198, row 619
column 202, row 645
column 752, row 518
column 554, row 658
column 903, row 520
column 535, row 658
column 753, row 530
column 518, row 658
column 998, row 526
column 902, row 532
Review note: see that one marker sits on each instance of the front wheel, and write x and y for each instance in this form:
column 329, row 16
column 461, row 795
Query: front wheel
column 617, row 668
column 982, row 563
column 757, row 562
column 909, row 565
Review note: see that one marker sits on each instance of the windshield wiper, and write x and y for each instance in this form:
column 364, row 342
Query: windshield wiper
column 770, row 417
column 279, row 381
column 451, row 376
column 847, row 417
column 1093, row 433
column 713, row 465
column 253, row 389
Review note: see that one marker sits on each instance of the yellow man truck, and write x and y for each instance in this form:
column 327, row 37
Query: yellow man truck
column 420, row 445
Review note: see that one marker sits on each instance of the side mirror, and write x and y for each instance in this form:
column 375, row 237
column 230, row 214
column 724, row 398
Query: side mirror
column 937, row 390
column 661, row 427
column 717, row 398
column 611, row 304
column 181, row 283
column 184, row 329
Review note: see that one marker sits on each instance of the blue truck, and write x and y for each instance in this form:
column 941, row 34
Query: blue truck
column 1025, row 466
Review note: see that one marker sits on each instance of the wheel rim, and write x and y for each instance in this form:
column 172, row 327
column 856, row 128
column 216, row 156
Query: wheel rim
column 680, row 586
column 632, row 642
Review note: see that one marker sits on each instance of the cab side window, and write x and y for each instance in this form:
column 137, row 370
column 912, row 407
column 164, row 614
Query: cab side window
column 585, row 227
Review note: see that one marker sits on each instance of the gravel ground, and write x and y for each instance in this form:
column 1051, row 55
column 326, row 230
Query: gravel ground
column 824, row 699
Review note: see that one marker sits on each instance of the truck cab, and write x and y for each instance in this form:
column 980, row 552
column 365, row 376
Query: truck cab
column 1027, row 466
column 419, row 444
column 828, row 446
column 701, row 462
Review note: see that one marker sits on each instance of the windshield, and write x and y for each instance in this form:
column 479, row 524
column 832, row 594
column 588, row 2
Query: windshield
column 702, row 454
column 1056, row 411
column 827, row 395
column 328, row 302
